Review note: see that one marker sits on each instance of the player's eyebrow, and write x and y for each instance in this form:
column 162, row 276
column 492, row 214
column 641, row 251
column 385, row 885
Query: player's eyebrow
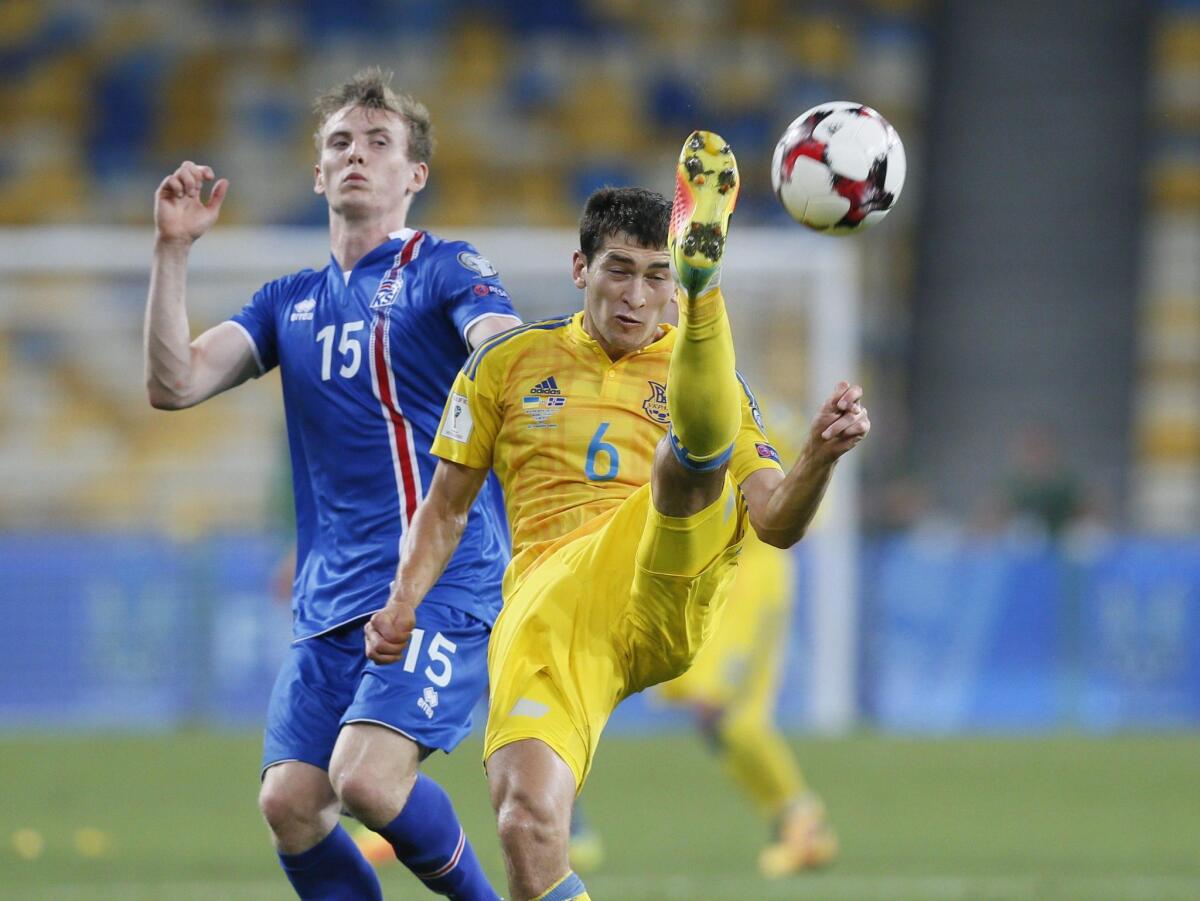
column 615, row 256
column 371, row 132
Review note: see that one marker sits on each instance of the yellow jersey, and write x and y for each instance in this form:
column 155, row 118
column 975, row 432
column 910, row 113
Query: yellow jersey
column 569, row 432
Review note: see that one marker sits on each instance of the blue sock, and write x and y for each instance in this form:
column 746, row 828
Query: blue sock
column 431, row 842
column 332, row 870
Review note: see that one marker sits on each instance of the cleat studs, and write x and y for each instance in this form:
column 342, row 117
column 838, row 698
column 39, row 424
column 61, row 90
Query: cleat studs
column 726, row 150
column 699, row 179
column 696, row 142
column 694, row 166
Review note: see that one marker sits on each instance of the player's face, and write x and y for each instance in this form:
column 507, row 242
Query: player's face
column 628, row 290
column 364, row 169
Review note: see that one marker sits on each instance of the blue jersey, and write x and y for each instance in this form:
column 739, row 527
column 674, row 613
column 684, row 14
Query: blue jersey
column 366, row 360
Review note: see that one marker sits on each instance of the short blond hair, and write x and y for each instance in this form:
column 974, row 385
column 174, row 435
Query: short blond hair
column 371, row 89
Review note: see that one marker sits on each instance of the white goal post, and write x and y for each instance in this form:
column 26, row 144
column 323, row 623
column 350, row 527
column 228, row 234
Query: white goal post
column 793, row 300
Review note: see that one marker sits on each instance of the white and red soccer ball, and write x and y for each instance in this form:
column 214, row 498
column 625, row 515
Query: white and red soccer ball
column 838, row 168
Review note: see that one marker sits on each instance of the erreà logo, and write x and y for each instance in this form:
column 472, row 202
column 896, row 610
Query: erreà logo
column 303, row 311
column 656, row 404
column 546, row 386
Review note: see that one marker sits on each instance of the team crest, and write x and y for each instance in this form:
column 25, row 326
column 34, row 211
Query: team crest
column 656, row 404
column 389, row 285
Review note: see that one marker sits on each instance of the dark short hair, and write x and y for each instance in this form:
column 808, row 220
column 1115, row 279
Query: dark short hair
column 371, row 89
column 640, row 214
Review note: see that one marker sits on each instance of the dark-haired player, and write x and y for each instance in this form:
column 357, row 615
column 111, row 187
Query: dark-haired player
column 632, row 468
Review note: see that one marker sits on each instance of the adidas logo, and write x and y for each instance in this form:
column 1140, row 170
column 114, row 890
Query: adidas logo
column 546, row 386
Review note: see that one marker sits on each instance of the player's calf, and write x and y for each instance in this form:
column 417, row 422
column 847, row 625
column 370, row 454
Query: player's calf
column 533, row 791
column 318, row 856
column 375, row 772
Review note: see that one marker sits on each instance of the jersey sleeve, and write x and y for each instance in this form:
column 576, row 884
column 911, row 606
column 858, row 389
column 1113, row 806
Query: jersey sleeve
column 469, row 288
column 471, row 419
column 257, row 321
column 752, row 450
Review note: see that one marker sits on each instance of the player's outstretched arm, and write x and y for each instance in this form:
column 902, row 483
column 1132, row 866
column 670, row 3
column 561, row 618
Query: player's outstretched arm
column 181, row 372
column 782, row 506
column 430, row 541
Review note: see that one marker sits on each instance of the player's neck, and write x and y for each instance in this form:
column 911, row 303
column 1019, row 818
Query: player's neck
column 613, row 352
column 351, row 240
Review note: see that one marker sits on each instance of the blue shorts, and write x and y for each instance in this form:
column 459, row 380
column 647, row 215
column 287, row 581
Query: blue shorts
column 428, row 695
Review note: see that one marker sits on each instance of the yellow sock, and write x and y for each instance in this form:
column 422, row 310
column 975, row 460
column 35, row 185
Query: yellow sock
column 761, row 762
column 703, row 394
column 569, row 888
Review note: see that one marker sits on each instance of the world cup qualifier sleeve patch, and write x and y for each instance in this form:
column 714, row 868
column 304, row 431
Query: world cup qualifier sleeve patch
column 458, row 424
column 478, row 264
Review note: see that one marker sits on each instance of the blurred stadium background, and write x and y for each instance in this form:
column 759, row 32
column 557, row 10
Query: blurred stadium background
column 994, row 674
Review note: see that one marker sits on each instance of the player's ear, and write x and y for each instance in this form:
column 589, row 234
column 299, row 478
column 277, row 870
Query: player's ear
column 420, row 175
column 318, row 180
column 579, row 269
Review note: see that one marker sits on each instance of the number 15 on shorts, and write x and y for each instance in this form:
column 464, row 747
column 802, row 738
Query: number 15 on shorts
column 440, row 667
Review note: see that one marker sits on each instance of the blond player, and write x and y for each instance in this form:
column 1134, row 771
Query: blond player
column 632, row 469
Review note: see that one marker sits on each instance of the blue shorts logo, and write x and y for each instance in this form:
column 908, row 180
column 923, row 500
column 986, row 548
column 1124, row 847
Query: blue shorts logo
column 428, row 700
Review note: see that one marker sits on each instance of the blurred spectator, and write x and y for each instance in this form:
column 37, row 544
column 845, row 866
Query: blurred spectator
column 1041, row 489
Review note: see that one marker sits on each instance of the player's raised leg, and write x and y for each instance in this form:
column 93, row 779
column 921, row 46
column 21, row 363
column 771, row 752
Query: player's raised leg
column 533, row 790
column 703, row 391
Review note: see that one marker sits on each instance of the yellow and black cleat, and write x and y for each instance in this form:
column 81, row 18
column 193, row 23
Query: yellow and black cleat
column 706, row 190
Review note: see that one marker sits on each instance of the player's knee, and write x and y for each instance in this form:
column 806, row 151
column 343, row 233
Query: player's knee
column 285, row 809
column 527, row 825
column 371, row 797
column 372, row 772
column 678, row 490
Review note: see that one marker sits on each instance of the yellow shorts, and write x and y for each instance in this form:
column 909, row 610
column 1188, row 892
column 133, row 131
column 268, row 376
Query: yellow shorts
column 738, row 667
column 602, row 615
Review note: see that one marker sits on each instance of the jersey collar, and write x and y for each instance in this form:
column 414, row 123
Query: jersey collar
column 400, row 236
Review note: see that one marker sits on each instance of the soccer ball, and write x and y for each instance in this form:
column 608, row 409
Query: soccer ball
column 838, row 168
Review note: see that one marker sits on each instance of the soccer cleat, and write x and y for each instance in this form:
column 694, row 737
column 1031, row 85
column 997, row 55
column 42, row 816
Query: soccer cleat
column 585, row 848
column 706, row 190
column 805, row 841
column 374, row 847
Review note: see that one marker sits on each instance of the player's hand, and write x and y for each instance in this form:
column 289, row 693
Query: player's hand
column 388, row 631
column 180, row 214
column 840, row 424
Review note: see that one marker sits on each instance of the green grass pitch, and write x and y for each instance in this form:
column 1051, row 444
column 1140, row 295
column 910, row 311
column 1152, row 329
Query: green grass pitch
column 980, row 818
